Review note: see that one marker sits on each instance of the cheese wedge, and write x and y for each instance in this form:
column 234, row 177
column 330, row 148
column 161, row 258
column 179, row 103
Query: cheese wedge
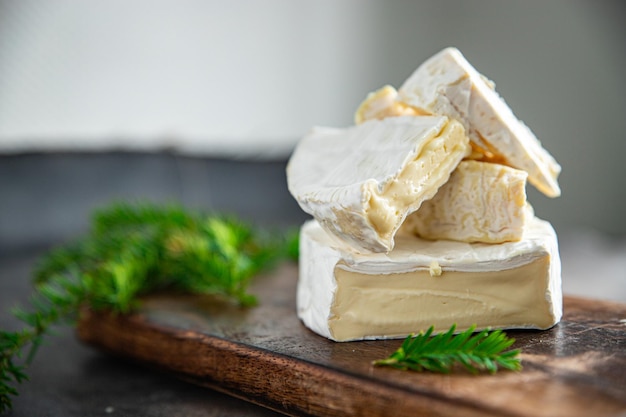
column 481, row 202
column 361, row 182
column 346, row 296
column 384, row 103
column 448, row 85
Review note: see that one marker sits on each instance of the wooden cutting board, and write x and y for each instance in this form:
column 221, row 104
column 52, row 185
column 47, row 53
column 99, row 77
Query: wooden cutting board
column 266, row 356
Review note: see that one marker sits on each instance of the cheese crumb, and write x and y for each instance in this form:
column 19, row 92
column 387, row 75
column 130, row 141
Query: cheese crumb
column 435, row 269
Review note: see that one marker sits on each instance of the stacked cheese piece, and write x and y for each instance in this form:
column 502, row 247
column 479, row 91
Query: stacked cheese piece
column 420, row 213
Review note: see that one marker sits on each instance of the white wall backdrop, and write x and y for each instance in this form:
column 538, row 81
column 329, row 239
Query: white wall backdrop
column 247, row 78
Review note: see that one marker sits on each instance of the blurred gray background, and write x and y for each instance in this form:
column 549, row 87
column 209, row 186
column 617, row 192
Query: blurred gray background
column 203, row 101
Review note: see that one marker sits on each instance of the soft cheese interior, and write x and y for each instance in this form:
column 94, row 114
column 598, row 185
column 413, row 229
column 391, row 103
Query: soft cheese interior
column 481, row 202
column 343, row 295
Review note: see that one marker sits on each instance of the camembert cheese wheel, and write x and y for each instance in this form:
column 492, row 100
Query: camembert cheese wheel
column 344, row 295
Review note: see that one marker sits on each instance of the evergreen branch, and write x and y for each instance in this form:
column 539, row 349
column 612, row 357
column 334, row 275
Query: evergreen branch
column 133, row 250
column 55, row 301
column 439, row 353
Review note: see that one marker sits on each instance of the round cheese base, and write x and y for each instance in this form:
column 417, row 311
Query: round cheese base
column 344, row 295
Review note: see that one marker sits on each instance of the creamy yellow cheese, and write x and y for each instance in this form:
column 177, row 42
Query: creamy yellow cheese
column 360, row 183
column 481, row 202
column 419, row 180
column 384, row 103
column 343, row 295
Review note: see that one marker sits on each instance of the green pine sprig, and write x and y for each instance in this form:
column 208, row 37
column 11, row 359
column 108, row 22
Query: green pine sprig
column 485, row 350
column 54, row 302
column 132, row 250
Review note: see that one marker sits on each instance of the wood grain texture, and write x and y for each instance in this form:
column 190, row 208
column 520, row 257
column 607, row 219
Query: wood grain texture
column 266, row 356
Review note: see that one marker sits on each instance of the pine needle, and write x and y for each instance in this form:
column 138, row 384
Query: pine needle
column 134, row 249
column 484, row 351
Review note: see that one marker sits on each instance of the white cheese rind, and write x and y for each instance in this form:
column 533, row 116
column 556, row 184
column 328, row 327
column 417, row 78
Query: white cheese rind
column 343, row 295
column 481, row 202
column 447, row 84
column 361, row 182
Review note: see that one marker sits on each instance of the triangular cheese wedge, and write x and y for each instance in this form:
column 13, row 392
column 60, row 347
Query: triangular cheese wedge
column 361, row 182
column 448, row 85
